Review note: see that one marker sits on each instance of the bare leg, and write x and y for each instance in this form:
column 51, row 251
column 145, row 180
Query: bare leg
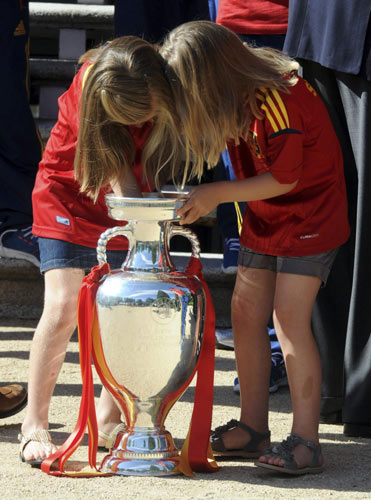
column 48, row 350
column 108, row 414
column 293, row 304
column 251, row 308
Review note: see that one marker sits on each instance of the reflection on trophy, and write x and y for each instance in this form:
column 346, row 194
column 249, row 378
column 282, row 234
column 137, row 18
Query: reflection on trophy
column 151, row 322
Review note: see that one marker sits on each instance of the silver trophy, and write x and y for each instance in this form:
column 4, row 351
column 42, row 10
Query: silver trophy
column 151, row 321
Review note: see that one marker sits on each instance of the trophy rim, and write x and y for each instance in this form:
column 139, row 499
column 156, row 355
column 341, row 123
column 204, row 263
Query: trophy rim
column 114, row 201
column 166, row 208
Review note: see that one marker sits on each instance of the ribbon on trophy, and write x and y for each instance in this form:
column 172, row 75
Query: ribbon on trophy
column 196, row 453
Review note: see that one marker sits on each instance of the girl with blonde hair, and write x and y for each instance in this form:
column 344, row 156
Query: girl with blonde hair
column 115, row 132
column 289, row 170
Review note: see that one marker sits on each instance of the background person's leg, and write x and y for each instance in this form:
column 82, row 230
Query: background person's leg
column 331, row 309
column 20, row 147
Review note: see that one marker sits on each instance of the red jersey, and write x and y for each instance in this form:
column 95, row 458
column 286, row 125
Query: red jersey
column 254, row 17
column 60, row 211
column 294, row 141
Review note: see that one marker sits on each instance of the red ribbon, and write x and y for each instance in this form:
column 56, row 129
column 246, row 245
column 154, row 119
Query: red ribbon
column 87, row 416
column 199, row 449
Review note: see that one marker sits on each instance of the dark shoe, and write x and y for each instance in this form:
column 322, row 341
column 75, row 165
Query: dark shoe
column 250, row 450
column 13, row 398
column 224, row 339
column 284, row 452
column 357, row 430
column 278, row 377
column 334, row 418
column 20, row 244
column 230, row 255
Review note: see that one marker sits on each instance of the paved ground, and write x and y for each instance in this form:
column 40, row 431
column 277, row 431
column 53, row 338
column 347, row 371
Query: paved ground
column 348, row 473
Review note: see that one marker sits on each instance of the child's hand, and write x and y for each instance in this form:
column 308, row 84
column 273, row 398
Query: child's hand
column 199, row 202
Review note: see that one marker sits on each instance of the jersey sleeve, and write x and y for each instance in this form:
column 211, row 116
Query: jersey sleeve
column 284, row 137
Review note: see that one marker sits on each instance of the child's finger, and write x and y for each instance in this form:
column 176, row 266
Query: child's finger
column 184, row 208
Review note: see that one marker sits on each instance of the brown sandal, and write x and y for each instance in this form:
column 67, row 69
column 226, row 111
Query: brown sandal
column 250, row 450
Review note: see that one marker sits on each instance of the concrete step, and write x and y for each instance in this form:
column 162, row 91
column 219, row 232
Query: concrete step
column 51, row 70
column 22, row 287
column 54, row 16
column 59, row 34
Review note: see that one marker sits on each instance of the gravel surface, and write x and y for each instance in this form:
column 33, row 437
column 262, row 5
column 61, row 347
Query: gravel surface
column 348, row 461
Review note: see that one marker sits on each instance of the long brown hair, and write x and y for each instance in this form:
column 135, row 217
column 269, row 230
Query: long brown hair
column 218, row 79
column 126, row 85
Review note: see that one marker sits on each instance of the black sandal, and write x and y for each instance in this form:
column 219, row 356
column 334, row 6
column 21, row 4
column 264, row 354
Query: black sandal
column 250, row 450
column 284, row 452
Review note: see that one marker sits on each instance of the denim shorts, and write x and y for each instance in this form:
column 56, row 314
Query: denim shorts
column 56, row 254
column 318, row 265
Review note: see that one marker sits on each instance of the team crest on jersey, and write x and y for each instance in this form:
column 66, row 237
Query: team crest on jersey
column 252, row 141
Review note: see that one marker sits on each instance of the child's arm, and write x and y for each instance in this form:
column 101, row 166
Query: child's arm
column 127, row 185
column 204, row 198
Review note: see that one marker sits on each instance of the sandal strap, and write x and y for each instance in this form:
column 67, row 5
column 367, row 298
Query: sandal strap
column 112, row 436
column 284, row 451
column 218, row 431
column 315, row 448
column 255, row 437
column 40, row 436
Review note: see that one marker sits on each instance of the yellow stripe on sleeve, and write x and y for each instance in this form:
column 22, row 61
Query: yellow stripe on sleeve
column 276, row 113
column 282, row 107
column 270, row 118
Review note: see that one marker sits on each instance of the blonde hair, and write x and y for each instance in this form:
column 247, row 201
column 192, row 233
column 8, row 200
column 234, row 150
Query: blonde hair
column 126, row 85
column 218, row 79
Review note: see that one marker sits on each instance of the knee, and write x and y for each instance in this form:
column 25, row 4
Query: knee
column 247, row 310
column 286, row 319
column 60, row 312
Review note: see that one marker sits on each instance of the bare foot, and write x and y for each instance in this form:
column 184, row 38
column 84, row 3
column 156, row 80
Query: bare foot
column 37, row 445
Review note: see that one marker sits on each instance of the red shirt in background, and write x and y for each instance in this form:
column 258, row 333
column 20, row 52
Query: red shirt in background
column 294, row 141
column 60, row 210
column 254, row 17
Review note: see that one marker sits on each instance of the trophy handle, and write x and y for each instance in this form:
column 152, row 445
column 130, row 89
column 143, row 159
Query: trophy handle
column 191, row 237
column 111, row 233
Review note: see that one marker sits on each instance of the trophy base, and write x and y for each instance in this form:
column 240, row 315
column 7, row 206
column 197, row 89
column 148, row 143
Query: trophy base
column 140, row 467
column 143, row 451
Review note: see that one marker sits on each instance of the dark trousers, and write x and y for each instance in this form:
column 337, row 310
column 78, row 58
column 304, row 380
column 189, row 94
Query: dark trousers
column 20, row 147
column 342, row 314
column 153, row 19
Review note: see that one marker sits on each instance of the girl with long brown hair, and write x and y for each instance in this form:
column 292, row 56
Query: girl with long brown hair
column 115, row 132
column 289, row 168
